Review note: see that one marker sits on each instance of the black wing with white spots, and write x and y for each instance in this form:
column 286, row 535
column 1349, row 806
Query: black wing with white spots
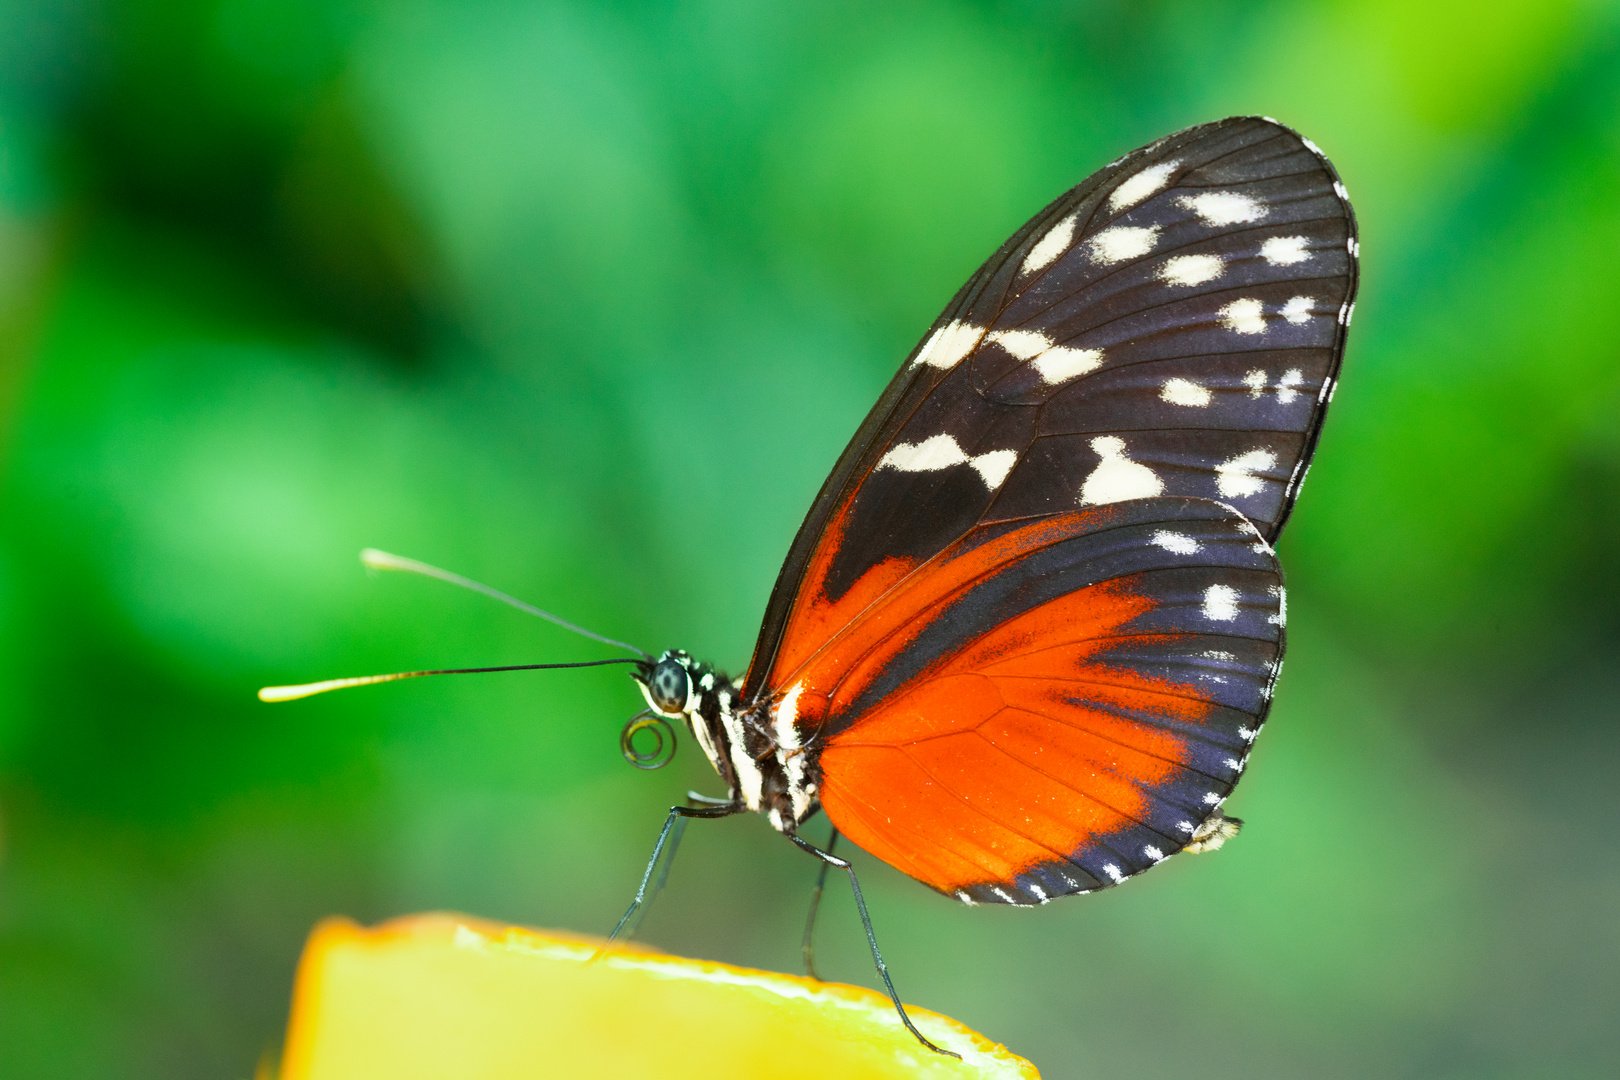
column 1173, row 326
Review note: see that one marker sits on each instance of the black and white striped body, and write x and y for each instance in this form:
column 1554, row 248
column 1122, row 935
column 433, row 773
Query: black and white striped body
column 757, row 754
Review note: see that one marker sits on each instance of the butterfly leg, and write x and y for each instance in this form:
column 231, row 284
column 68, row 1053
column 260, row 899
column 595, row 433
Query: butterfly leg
column 871, row 939
column 815, row 908
column 670, row 836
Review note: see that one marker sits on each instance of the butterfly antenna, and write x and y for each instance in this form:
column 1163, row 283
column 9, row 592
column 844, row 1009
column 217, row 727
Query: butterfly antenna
column 382, row 560
column 293, row 693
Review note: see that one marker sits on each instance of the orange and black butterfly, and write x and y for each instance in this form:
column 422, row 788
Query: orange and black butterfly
column 1024, row 640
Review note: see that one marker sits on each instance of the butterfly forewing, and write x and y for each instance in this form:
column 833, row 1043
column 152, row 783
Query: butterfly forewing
column 1171, row 326
column 1029, row 628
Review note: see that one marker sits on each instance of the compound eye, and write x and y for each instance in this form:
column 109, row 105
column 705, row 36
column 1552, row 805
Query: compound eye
column 669, row 686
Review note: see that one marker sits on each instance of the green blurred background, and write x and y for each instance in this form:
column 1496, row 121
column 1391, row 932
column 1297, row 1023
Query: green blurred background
column 583, row 300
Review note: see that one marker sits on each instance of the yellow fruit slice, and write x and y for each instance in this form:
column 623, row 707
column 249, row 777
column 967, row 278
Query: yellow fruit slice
column 447, row 997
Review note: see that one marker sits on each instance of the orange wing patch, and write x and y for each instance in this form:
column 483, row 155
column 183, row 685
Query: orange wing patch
column 1045, row 709
column 815, row 617
column 841, row 644
column 1010, row 756
column 1042, row 708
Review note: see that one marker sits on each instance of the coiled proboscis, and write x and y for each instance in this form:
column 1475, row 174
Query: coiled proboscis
column 663, row 749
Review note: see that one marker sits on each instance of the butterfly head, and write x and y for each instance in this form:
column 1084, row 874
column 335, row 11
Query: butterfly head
column 668, row 684
column 678, row 687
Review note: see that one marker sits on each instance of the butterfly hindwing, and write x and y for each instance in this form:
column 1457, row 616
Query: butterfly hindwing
column 1170, row 327
column 1054, row 705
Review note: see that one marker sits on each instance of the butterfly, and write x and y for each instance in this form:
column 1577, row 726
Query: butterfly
column 1025, row 639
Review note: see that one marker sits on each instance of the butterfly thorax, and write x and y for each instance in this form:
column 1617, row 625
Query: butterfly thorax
column 763, row 768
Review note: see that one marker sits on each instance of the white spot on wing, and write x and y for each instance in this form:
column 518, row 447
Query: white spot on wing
column 1121, row 242
column 1286, row 386
column 1223, row 207
column 1245, row 527
column 1063, row 363
column 1297, row 310
column 1281, row 616
column 925, row 355
column 1184, row 392
column 1053, row 244
column 1179, row 543
column 948, row 345
column 1153, row 853
column 934, row 452
column 1113, row 871
column 1023, row 344
column 1192, row 269
column 994, row 466
column 1246, row 735
column 1235, row 476
column 1246, row 316
column 942, row 452
column 1136, row 188
column 1220, row 603
column 1285, row 250
column 1256, row 382
column 1117, row 477
column 1054, row 363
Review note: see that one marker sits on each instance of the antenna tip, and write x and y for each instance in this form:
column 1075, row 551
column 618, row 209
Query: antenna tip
column 372, row 559
column 293, row 693
column 284, row 693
